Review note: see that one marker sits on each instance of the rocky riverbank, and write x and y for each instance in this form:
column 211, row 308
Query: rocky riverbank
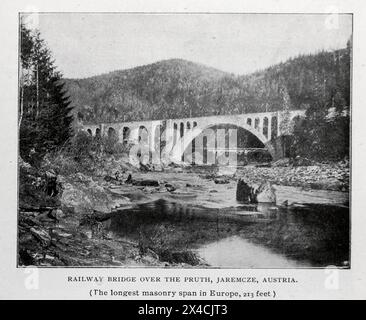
column 331, row 176
column 71, row 227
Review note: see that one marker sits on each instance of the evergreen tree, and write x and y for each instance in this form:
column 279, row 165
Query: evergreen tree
column 45, row 113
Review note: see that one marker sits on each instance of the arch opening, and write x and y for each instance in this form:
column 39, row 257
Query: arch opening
column 175, row 131
column 125, row 134
column 248, row 149
column 143, row 135
column 265, row 127
column 112, row 134
column 97, row 133
column 256, row 123
column 181, row 129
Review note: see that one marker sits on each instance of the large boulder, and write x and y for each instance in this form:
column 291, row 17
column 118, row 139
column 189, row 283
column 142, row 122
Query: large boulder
column 266, row 193
column 245, row 192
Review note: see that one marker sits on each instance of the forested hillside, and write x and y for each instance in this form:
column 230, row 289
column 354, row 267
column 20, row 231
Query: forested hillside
column 177, row 88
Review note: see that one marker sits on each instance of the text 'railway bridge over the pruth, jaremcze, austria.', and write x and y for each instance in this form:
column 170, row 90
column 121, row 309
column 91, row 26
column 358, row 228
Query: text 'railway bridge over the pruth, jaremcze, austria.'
column 178, row 134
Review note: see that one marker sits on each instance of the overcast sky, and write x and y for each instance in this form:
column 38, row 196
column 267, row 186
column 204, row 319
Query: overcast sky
column 89, row 44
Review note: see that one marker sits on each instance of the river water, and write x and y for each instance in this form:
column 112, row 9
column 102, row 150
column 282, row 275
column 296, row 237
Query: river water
column 241, row 236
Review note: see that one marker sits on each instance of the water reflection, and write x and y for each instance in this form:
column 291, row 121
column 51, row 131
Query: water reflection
column 261, row 236
column 236, row 252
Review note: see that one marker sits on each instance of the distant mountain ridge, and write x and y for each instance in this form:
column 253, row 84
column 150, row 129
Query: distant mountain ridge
column 177, row 88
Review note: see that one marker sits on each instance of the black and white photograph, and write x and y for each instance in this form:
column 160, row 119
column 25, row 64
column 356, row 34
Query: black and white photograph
column 184, row 140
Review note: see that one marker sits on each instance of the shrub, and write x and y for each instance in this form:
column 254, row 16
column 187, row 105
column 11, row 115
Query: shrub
column 81, row 146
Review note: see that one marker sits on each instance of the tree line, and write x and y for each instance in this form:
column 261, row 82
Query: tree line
column 45, row 111
column 48, row 104
column 178, row 89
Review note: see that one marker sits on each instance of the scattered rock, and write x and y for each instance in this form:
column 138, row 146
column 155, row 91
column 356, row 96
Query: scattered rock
column 145, row 167
column 266, row 193
column 285, row 162
column 146, row 183
column 81, row 177
column 41, row 235
column 170, row 187
column 26, row 221
column 222, row 180
column 299, row 162
column 109, row 178
column 45, row 217
column 263, row 165
column 158, row 167
column 23, row 164
column 56, row 214
column 48, row 257
column 60, row 233
column 189, row 185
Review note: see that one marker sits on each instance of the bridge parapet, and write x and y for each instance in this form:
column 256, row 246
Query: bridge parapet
column 179, row 133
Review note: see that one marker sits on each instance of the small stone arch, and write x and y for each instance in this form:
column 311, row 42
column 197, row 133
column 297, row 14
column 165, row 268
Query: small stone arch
column 265, row 127
column 143, row 134
column 256, row 123
column 249, row 121
column 111, row 133
column 188, row 125
column 181, row 129
column 194, row 124
column 126, row 133
column 175, row 132
column 97, row 132
column 89, row 131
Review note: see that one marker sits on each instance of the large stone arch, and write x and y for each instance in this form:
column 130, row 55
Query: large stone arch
column 182, row 143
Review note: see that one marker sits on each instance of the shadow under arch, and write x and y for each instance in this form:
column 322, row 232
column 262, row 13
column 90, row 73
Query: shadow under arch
column 184, row 142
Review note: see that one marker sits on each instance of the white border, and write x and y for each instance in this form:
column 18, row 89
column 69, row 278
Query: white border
column 52, row 284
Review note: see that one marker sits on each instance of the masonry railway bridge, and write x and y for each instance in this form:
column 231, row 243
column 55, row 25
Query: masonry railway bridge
column 178, row 134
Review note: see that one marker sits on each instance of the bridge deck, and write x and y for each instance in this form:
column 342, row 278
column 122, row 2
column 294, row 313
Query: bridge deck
column 256, row 114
